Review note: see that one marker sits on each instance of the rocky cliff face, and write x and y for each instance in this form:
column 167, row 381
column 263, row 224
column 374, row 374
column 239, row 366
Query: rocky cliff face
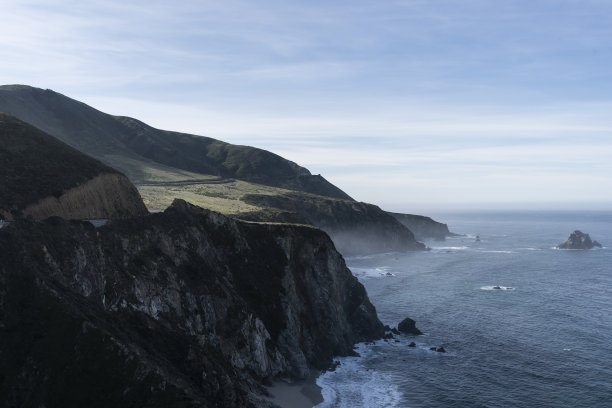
column 104, row 196
column 423, row 227
column 355, row 227
column 182, row 308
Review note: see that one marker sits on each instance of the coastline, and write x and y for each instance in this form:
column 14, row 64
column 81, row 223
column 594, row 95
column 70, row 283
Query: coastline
column 297, row 393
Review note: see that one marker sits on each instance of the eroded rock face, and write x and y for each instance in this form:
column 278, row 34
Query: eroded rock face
column 104, row 196
column 578, row 240
column 174, row 309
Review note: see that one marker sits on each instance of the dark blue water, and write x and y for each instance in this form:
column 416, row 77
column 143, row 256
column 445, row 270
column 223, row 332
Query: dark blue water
column 547, row 342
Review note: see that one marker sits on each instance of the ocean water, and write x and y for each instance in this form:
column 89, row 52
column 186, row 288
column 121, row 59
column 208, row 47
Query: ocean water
column 543, row 340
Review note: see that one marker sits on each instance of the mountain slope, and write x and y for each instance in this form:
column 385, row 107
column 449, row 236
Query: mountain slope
column 41, row 176
column 130, row 145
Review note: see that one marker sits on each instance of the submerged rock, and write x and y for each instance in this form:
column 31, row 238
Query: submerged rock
column 578, row 240
column 408, row 326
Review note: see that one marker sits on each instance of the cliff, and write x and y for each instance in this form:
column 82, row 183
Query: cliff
column 355, row 227
column 423, row 227
column 41, row 176
column 181, row 308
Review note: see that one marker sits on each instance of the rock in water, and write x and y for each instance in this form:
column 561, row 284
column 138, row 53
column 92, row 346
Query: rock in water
column 578, row 240
column 408, row 326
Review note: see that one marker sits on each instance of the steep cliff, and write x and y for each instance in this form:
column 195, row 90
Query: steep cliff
column 41, row 176
column 423, row 227
column 355, row 227
column 174, row 309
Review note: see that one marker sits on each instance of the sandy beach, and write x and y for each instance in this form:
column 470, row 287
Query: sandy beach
column 296, row 394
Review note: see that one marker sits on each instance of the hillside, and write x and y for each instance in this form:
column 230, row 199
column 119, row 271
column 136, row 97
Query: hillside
column 144, row 153
column 41, row 176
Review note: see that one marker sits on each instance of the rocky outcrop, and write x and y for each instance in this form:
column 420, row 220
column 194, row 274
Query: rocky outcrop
column 423, row 227
column 578, row 240
column 104, row 196
column 408, row 326
column 181, row 308
column 355, row 227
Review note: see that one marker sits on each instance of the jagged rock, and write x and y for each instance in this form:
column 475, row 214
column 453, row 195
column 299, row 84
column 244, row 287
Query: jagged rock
column 412, row 344
column 441, row 350
column 433, row 348
column 408, row 326
column 395, row 331
column 578, row 240
column 181, row 308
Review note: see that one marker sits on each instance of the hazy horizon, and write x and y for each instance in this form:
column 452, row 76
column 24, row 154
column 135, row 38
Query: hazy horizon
column 414, row 106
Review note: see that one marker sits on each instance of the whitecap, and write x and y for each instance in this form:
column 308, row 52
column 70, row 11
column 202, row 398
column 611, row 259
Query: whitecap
column 365, row 272
column 496, row 252
column 496, row 287
column 384, row 271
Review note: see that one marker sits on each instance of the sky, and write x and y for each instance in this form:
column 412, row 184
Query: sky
column 414, row 105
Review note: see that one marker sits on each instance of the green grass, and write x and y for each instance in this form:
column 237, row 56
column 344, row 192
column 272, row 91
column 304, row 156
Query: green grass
column 225, row 198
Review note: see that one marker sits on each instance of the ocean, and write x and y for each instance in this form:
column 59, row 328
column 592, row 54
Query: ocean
column 543, row 340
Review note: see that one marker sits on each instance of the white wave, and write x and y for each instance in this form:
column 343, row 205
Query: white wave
column 530, row 249
column 371, row 272
column 496, row 252
column 436, row 249
column 496, row 287
column 364, row 272
column 458, row 248
column 353, row 385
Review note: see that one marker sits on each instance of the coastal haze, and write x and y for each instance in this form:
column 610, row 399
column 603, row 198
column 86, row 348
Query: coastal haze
column 219, row 203
column 415, row 106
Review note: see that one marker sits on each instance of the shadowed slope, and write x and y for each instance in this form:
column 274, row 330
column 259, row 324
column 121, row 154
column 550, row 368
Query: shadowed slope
column 41, row 176
column 128, row 144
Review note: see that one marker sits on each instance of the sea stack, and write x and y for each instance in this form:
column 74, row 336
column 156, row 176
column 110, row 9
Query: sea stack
column 578, row 240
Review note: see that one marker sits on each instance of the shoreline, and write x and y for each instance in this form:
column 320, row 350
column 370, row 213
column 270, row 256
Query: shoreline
column 297, row 393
